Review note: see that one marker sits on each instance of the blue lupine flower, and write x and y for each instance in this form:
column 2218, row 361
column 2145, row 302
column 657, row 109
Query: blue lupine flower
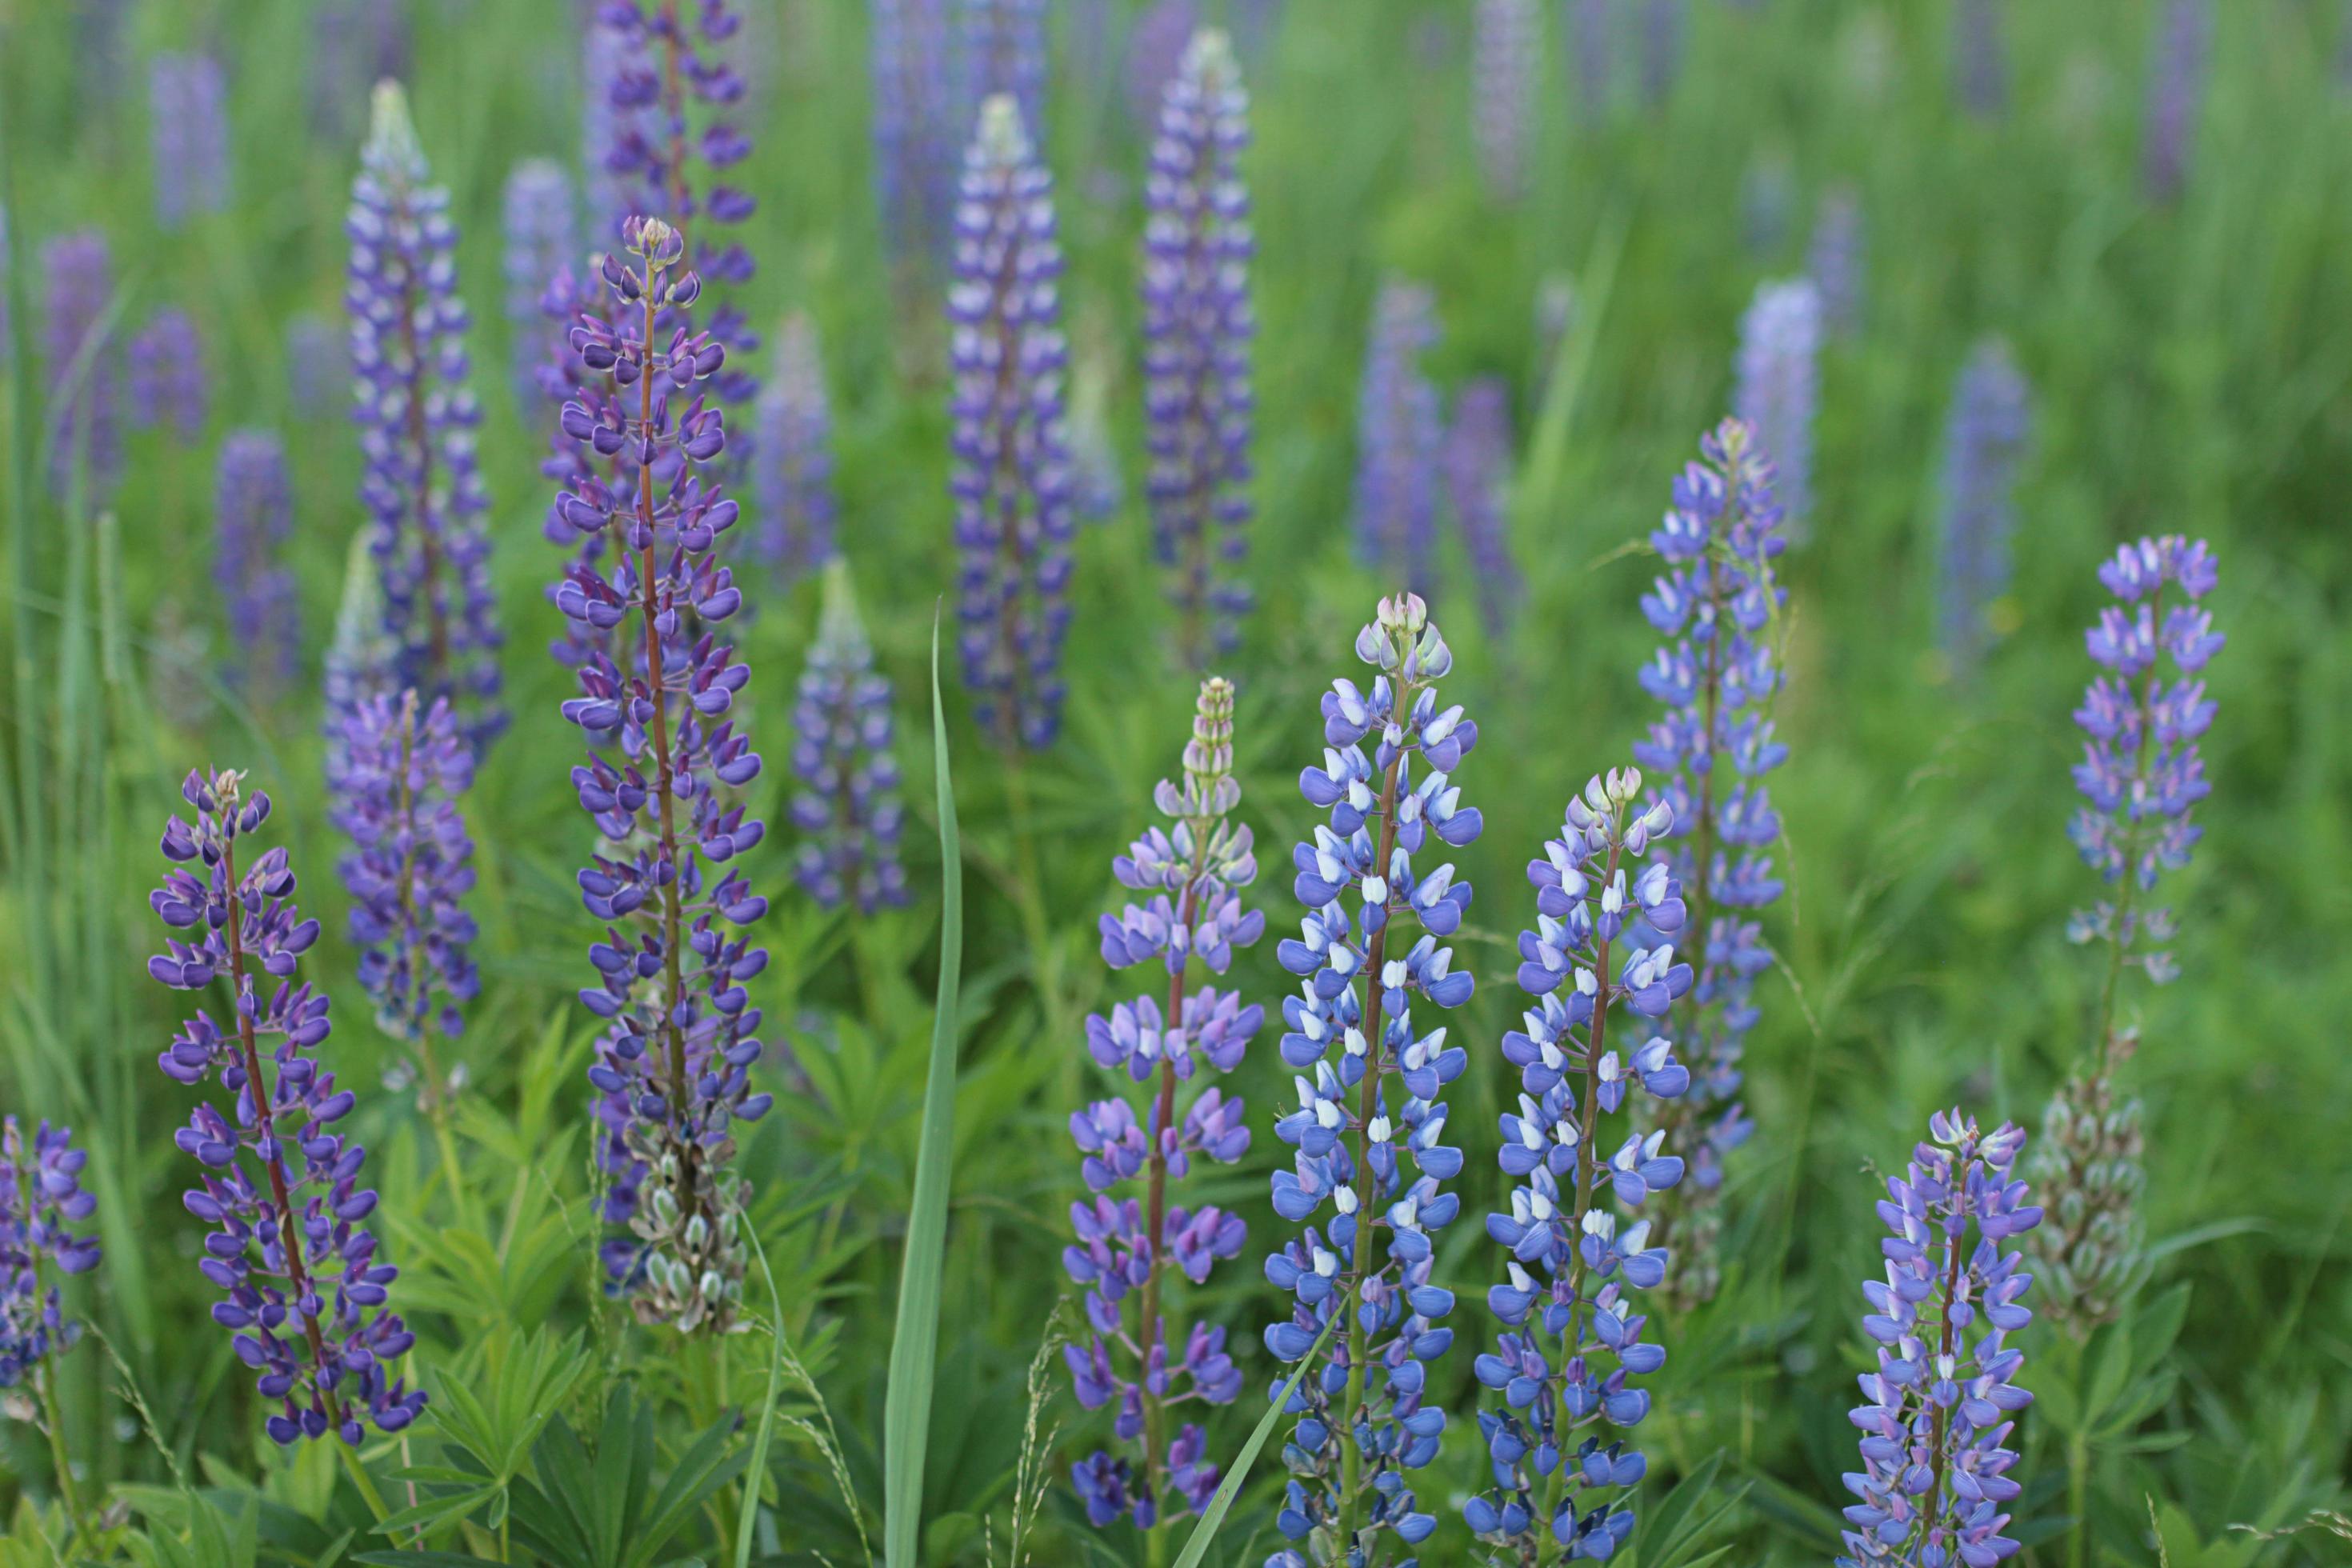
column 253, row 520
column 2182, row 61
column 1990, row 421
column 187, row 118
column 1368, row 1082
column 40, row 1197
column 1011, row 483
column 1979, row 57
column 1477, row 465
column 1004, row 52
column 916, row 134
column 1717, row 674
column 84, row 362
column 306, row 1288
column 848, row 808
column 1837, row 261
column 1198, row 401
column 1778, row 391
column 1572, row 1339
column 1936, row 1412
column 542, row 236
column 1506, row 52
column 1156, row 46
column 795, row 467
column 168, row 385
column 672, row 1069
column 1398, row 434
column 1126, row 1244
column 316, row 365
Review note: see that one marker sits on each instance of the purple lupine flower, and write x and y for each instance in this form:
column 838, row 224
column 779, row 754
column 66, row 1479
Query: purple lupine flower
column 847, row 810
column 253, row 519
column 1477, row 465
column 307, row 1297
column 1837, row 261
column 1716, row 675
column 411, row 865
column 2176, row 97
column 318, row 364
column 168, row 385
column 1572, row 1340
column 1127, row 1244
column 1197, row 330
column 543, row 235
column 1505, row 47
column 1399, row 430
column 916, row 136
column 1936, row 1412
column 1778, row 387
column 417, row 416
column 1979, row 57
column 40, row 1197
column 84, row 362
column 1989, row 420
column 187, row 116
column 1590, row 28
column 672, row 1069
column 795, row 470
column 354, row 43
column 1661, row 50
column 1004, row 51
column 1158, row 45
column 1011, row 485
column 1372, row 1100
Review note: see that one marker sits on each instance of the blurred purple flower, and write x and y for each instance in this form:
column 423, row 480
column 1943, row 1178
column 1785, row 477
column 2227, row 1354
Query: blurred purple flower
column 253, row 521
column 168, row 384
column 40, row 1196
column 847, row 811
column 1477, row 463
column 1778, row 390
column 84, row 364
column 1398, row 434
column 795, row 467
column 1990, row 419
column 543, row 235
column 187, row 116
column 1507, row 56
column 2176, row 96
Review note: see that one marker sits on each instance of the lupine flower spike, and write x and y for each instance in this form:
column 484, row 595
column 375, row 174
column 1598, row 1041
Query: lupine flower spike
column 1004, row 44
column 1838, row 261
column 1477, row 464
column 306, row 1291
column 1399, row 429
column 1011, row 482
column 1572, row 1332
column 2176, row 96
column 1131, row 1241
column 795, row 457
column 1777, row 391
column 1197, row 323
column 847, row 810
column 84, row 362
column 359, row 662
column 187, row 118
column 417, row 416
column 168, row 387
column 40, row 1197
column 2142, row 773
column 253, row 513
column 1591, row 37
column 916, row 137
column 1369, row 1078
column 1507, row 48
column 1980, row 57
column 672, row 1070
column 1986, row 436
column 1936, row 1414
column 1717, row 674
column 1156, row 46
column 543, row 237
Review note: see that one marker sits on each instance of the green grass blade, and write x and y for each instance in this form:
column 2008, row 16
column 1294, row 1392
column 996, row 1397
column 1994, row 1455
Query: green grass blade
column 1196, row 1546
column 915, row 1345
column 756, row 1472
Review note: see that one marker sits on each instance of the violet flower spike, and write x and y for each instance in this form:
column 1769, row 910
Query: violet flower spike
column 917, row 138
column 1506, row 50
column 848, row 810
column 306, row 1290
column 1938, row 1412
column 1991, row 417
column 1199, row 402
column 1131, row 1241
column 1980, row 57
column 169, row 388
column 318, row 366
column 794, row 465
column 1157, row 43
column 1398, row 434
column 1661, row 49
column 1602, row 952
column 187, row 118
column 1589, row 27
column 1778, row 391
column 1004, row 51
column 253, row 521
column 1477, row 465
column 41, row 1197
column 543, row 237
column 1368, row 1082
column 359, row 663
column 2180, row 64
column 84, row 362
column 1837, row 261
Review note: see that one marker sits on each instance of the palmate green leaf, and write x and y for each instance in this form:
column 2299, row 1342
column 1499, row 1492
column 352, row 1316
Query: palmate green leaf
column 1196, row 1546
column 915, row 1344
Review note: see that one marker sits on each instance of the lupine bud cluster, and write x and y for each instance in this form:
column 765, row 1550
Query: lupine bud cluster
column 168, row 387
column 1506, row 50
column 40, row 1197
column 672, row 1069
column 1011, row 482
column 1129, row 1238
column 359, row 659
column 2089, row 1168
column 1369, row 1081
column 1717, row 674
column 187, row 118
column 1778, row 390
column 1004, row 44
column 1399, row 429
column 794, row 467
column 1476, row 462
column 1198, row 401
column 847, row 810
column 2176, row 96
column 916, row 136
column 414, row 404
column 1979, row 57
column 543, row 237
column 84, row 362
column 306, row 1290
column 1990, row 418
column 1571, row 1342
column 1936, row 1412
column 1837, row 261
column 253, row 519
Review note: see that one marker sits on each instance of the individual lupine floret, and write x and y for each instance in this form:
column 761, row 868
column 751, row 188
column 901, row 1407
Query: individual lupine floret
column 849, row 809
column 168, row 387
column 411, row 867
column 1368, row 1082
column 1939, row 1409
column 1004, row 51
column 542, row 236
column 1990, row 419
column 1399, row 429
column 1199, row 403
column 1507, row 48
column 307, row 1289
column 1010, row 480
column 1573, row 1334
column 1716, row 675
column 672, row 1070
column 1127, row 1242
column 253, row 519
column 84, row 362
column 1778, row 386
column 2176, row 96
column 1979, row 57
column 1837, row 261
column 1476, row 460
column 795, row 465
column 40, row 1197
column 414, row 404
column 187, row 118
column 916, row 136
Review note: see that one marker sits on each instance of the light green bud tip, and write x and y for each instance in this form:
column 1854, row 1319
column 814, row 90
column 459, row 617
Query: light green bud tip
column 1003, row 138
